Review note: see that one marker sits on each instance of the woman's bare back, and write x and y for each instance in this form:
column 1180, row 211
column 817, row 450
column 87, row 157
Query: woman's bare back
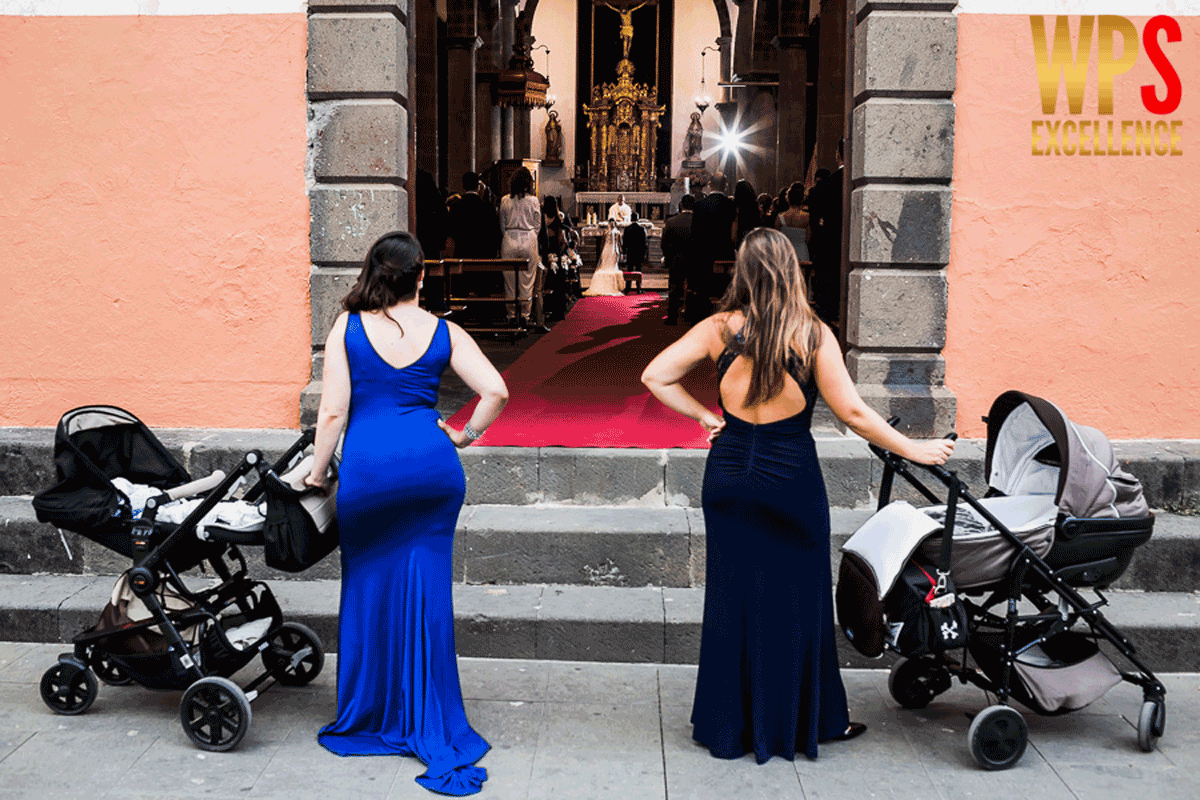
column 736, row 382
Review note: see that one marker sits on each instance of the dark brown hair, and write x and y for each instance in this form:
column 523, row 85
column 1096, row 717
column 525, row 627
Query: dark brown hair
column 389, row 275
column 769, row 290
column 522, row 183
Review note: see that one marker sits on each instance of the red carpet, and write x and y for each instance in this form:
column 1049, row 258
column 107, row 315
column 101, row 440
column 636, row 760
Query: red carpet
column 580, row 385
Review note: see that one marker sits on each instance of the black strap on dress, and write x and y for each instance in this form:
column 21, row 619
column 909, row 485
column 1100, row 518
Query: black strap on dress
column 795, row 367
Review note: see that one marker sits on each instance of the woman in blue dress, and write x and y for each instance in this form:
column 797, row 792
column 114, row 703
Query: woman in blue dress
column 400, row 489
column 768, row 680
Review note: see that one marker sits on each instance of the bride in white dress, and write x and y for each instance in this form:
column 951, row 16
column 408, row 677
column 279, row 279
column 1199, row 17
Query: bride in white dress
column 606, row 280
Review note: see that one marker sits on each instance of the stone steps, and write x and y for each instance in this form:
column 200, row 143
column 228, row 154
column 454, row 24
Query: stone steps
column 570, row 623
column 576, row 554
column 1168, row 469
column 569, row 545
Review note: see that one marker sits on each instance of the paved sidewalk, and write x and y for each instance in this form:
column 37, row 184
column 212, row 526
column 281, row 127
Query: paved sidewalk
column 567, row 730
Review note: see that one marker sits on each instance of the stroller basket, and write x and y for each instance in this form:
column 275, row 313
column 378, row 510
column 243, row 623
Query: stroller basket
column 1063, row 673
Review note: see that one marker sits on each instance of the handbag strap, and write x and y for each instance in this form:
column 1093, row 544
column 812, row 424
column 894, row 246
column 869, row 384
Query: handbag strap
column 944, row 557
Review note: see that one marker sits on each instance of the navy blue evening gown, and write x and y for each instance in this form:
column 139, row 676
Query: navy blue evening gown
column 768, row 679
column 400, row 489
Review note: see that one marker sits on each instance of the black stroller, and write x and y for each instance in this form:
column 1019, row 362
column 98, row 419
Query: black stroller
column 156, row 630
column 1059, row 516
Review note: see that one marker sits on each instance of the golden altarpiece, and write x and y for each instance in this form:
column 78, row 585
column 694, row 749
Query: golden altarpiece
column 623, row 120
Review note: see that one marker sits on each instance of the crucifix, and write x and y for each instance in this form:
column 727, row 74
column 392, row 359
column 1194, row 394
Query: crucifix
column 626, row 25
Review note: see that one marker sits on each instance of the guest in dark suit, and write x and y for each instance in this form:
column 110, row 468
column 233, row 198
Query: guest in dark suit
column 473, row 231
column 676, row 247
column 825, row 242
column 431, row 234
column 473, row 224
column 713, row 222
column 633, row 240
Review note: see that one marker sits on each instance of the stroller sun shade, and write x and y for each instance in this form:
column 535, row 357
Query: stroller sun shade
column 93, row 445
column 1034, row 449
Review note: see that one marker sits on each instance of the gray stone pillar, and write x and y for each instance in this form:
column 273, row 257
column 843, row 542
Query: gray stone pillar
column 792, row 106
column 831, row 80
column 522, row 147
column 462, row 41
column 358, row 139
column 902, row 156
column 425, row 91
column 487, row 71
column 725, row 51
column 507, row 31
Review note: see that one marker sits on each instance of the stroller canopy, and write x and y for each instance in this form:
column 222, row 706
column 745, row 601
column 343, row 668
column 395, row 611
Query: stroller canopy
column 1033, row 448
column 93, row 445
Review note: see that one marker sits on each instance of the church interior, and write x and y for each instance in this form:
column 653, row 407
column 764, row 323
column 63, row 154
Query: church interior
column 647, row 98
column 611, row 102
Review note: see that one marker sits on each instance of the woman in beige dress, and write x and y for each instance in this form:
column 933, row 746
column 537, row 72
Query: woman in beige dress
column 521, row 218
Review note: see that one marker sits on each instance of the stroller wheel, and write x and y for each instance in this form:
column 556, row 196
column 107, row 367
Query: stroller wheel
column 1152, row 721
column 294, row 654
column 69, row 688
column 215, row 713
column 108, row 671
column 997, row 737
column 913, row 683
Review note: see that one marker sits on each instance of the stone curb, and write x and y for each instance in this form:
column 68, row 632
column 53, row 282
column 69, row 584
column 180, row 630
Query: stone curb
column 570, row 545
column 571, row 623
column 1169, row 469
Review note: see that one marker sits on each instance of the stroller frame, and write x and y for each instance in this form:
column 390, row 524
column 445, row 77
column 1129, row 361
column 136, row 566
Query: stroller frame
column 998, row 734
column 214, row 711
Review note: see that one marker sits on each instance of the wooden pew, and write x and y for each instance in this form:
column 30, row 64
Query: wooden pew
column 452, row 267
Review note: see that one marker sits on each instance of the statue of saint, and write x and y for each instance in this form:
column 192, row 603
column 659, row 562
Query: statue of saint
column 553, row 138
column 695, row 136
column 626, row 26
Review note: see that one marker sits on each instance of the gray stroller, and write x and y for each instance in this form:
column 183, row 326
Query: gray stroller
column 1060, row 516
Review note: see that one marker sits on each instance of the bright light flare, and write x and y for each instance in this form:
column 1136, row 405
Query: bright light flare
column 734, row 140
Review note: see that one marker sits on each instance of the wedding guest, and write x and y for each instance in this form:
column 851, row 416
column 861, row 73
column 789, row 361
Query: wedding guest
column 400, row 491
column 768, row 679
column 521, row 219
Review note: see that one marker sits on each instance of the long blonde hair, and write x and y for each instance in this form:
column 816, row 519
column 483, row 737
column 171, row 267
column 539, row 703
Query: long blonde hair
column 769, row 289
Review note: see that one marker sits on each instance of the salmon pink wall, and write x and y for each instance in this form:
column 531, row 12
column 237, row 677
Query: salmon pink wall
column 154, row 222
column 1072, row 277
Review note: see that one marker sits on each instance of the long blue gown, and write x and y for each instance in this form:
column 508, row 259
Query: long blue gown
column 400, row 489
column 768, row 679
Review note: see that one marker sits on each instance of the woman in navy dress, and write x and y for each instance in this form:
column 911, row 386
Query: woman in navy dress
column 400, row 489
column 768, row 680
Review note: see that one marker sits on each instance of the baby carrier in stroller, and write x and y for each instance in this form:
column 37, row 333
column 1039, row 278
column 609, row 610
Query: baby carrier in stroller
column 156, row 630
column 1060, row 515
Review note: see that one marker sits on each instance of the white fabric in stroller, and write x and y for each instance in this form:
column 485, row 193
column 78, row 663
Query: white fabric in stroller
column 888, row 538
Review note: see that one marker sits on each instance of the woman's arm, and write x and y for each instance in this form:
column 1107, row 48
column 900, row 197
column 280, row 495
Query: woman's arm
column 843, row 400
column 335, row 401
column 663, row 374
column 470, row 364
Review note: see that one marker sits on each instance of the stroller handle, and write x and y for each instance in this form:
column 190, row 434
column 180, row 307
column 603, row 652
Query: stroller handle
column 898, row 465
column 198, row 486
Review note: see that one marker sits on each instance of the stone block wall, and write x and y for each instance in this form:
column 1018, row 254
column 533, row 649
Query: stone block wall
column 359, row 135
column 901, row 166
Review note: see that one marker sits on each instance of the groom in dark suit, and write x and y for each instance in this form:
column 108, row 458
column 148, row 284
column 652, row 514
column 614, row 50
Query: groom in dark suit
column 676, row 244
column 633, row 240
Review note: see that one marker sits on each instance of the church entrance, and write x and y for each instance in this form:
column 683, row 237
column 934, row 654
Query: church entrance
column 650, row 99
